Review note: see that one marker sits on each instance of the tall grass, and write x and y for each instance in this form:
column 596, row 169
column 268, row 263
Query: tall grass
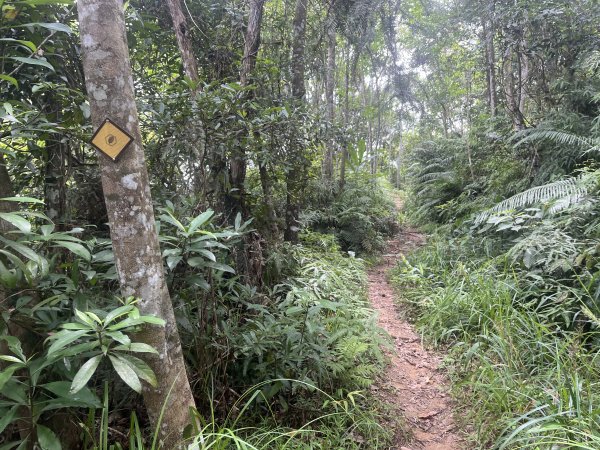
column 536, row 383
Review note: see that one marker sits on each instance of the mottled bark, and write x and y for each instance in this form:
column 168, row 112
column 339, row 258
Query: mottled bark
column 298, row 49
column 139, row 265
column 184, row 42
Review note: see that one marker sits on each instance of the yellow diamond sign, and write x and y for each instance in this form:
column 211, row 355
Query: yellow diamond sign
column 111, row 139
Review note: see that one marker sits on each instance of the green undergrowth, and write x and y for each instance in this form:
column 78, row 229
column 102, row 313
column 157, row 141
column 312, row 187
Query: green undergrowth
column 522, row 346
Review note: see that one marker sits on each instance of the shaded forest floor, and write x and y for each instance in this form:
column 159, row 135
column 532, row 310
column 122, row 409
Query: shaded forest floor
column 413, row 383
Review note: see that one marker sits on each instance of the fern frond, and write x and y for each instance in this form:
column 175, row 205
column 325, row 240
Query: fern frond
column 565, row 192
column 560, row 137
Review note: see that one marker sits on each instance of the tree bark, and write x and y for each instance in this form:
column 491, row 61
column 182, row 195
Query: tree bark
column 184, row 42
column 234, row 201
column 298, row 49
column 294, row 174
column 346, row 118
column 55, row 183
column 252, row 40
column 139, row 265
column 190, row 69
column 329, row 93
column 490, row 53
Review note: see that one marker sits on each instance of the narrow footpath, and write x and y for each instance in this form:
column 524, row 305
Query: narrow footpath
column 413, row 383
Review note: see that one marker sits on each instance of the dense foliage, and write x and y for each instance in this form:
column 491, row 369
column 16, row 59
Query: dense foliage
column 272, row 132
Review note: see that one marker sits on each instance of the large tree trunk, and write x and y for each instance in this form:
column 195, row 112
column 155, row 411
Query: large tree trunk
column 329, row 94
column 294, row 174
column 139, row 265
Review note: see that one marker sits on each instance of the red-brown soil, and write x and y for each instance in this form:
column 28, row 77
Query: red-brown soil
column 413, row 385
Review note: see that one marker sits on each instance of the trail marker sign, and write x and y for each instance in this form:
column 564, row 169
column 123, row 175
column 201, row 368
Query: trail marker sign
column 111, row 139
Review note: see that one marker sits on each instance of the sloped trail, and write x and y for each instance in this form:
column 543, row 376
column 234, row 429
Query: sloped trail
column 413, row 384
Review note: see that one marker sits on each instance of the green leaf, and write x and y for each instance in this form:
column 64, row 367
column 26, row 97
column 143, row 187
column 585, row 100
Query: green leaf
column 7, row 374
column 22, row 224
column 120, row 311
column 78, row 249
column 141, row 369
column 30, row 45
column 7, row 418
column 47, row 439
column 126, row 373
column 45, row 2
column 22, row 200
column 173, row 221
column 84, row 374
column 33, row 61
column 54, row 26
column 23, row 250
column 62, row 390
column 137, row 347
column 10, row 358
column 173, row 261
column 220, row 267
column 64, row 338
column 200, row 220
column 119, row 336
column 210, row 255
column 10, row 79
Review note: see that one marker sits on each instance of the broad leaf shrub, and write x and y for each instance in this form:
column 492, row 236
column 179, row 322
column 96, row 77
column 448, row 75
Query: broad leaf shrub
column 310, row 327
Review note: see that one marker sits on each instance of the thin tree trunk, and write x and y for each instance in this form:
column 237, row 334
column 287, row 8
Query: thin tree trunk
column 329, row 93
column 265, row 182
column 252, row 40
column 346, row 118
column 234, row 200
column 294, row 174
column 400, row 149
column 55, row 185
column 298, row 49
column 184, row 42
column 490, row 52
column 190, row 69
column 126, row 188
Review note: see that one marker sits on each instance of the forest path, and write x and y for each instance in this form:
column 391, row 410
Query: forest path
column 413, row 383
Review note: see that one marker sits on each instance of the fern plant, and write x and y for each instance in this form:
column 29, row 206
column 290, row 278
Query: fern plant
column 561, row 194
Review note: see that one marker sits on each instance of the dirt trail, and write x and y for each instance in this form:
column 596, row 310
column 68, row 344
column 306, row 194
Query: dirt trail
column 413, row 382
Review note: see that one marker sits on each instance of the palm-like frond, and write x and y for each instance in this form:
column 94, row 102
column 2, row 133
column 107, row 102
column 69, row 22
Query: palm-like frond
column 563, row 192
column 589, row 144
